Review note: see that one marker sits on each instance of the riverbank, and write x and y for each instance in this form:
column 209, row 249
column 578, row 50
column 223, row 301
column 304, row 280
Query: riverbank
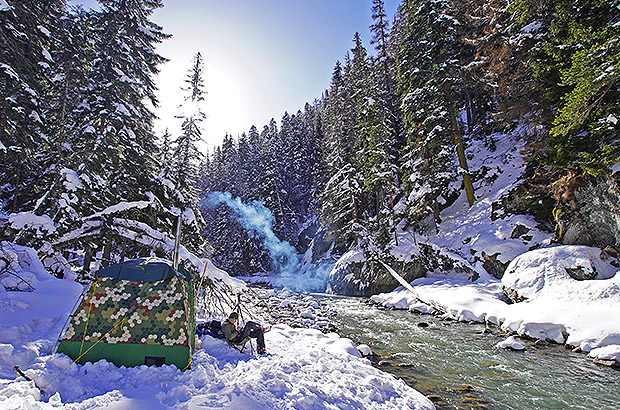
column 458, row 366
column 582, row 314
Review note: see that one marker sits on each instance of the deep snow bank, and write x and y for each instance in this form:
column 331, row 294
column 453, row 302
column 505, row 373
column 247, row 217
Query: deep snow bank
column 30, row 320
column 564, row 272
column 581, row 313
column 306, row 370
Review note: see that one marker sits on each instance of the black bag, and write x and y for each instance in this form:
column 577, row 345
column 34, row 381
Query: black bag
column 212, row 328
column 215, row 329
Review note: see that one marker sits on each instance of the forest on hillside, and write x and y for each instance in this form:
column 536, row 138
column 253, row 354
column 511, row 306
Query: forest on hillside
column 384, row 149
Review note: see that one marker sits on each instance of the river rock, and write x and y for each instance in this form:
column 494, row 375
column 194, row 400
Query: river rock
column 549, row 332
column 356, row 275
column 364, row 350
column 608, row 363
column 587, row 209
column 606, row 356
column 510, row 344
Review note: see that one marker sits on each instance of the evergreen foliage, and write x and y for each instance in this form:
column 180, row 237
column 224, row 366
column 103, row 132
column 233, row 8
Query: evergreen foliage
column 28, row 32
column 280, row 167
column 375, row 155
column 579, row 65
column 431, row 75
column 76, row 131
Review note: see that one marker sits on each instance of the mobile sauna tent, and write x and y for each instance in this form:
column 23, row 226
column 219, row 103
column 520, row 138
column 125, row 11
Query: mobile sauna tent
column 136, row 312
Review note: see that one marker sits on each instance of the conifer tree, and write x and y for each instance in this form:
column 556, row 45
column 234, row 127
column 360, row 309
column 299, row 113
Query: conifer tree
column 340, row 200
column 186, row 156
column 430, row 75
column 117, row 141
column 113, row 135
column 383, row 133
column 578, row 69
column 27, row 30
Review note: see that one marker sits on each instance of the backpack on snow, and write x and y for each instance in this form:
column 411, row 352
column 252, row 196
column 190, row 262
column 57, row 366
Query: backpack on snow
column 212, row 328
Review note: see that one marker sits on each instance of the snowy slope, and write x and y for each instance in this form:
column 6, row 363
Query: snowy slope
column 469, row 231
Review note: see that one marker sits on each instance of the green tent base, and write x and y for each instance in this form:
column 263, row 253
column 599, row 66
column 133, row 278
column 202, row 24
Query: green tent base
column 128, row 354
column 141, row 312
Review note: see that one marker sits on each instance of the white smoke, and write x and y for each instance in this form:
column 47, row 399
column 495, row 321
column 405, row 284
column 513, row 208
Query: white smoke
column 257, row 218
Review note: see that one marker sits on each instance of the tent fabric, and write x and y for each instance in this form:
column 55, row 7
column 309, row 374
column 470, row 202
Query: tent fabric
column 127, row 321
column 127, row 354
column 141, row 270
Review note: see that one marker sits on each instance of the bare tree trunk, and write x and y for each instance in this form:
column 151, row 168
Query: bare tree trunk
column 88, row 257
column 123, row 251
column 107, row 251
column 469, row 188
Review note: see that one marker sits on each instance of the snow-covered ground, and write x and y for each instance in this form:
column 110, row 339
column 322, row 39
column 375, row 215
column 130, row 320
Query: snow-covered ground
column 466, row 232
column 306, row 369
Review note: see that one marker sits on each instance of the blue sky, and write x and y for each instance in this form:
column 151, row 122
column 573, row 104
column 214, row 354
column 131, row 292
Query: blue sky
column 262, row 57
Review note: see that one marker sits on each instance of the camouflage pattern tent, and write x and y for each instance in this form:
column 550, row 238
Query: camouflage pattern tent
column 135, row 313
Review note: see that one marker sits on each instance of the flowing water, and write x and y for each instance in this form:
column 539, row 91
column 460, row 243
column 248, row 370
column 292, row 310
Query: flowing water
column 457, row 366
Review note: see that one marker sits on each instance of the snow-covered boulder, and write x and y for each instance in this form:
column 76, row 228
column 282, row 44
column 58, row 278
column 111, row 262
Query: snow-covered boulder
column 510, row 344
column 558, row 270
column 364, row 350
column 308, row 314
column 608, row 355
column 549, row 332
column 611, row 352
column 354, row 274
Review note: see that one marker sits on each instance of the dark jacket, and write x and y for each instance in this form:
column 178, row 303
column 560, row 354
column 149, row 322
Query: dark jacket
column 230, row 330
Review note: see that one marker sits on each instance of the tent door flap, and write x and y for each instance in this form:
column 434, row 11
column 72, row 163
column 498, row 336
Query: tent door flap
column 154, row 360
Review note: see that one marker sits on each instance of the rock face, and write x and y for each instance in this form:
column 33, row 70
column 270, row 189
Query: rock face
column 493, row 265
column 368, row 277
column 359, row 276
column 583, row 209
column 588, row 210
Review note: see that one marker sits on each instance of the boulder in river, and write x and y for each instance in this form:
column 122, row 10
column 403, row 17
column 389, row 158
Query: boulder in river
column 510, row 344
column 364, row 350
column 607, row 356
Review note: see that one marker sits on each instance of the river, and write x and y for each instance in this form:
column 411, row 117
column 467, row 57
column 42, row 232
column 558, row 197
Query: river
column 458, row 366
